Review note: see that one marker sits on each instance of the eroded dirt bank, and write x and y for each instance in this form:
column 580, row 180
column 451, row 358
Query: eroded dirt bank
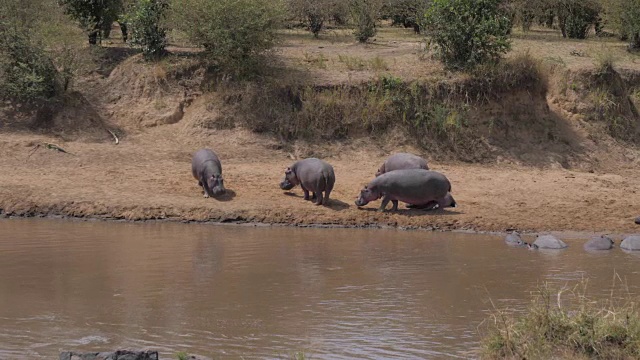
column 148, row 176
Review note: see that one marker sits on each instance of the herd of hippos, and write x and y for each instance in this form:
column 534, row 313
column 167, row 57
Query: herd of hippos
column 402, row 177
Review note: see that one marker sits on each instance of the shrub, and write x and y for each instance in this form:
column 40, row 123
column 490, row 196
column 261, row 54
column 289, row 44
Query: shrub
column 407, row 13
column 93, row 15
column 146, row 21
column 624, row 17
column 27, row 74
column 314, row 12
column 234, row 33
column 364, row 14
column 467, row 33
column 566, row 324
column 576, row 17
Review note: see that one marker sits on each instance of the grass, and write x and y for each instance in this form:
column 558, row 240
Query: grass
column 566, row 324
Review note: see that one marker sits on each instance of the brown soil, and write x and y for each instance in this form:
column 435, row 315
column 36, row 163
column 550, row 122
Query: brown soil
column 148, row 177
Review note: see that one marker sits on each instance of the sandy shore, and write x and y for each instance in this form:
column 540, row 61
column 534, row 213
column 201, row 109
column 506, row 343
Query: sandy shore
column 142, row 180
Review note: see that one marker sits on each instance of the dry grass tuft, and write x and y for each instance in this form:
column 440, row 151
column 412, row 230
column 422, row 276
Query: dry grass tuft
column 566, row 324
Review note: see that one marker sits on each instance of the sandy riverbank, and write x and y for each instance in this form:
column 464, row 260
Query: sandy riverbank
column 141, row 180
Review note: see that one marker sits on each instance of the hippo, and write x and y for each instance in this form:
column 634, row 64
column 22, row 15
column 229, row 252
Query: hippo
column 401, row 161
column 514, row 239
column 413, row 186
column 549, row 242
column 599, row 243
column 313, row 175
column 206, row 168
column 638, row 220
column 631, row 242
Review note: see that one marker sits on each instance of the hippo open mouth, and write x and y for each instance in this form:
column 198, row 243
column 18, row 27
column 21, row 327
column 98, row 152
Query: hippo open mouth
column 286, row 185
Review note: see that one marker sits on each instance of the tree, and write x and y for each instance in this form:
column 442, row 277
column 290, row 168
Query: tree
column 93, row 16
column 576, row 17
column 467, row 33
column 146, row 19
column 313, row 12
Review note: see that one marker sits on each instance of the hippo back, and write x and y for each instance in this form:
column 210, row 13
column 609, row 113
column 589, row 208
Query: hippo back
column 413, row 183
column 403, row 161
column 599, row 243
column 314, row 174
column 205, row 163
column 631, row 243
column 549, row 242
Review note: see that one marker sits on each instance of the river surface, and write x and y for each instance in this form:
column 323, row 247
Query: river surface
column 239, row 292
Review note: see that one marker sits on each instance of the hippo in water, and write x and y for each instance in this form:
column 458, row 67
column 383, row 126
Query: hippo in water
column 402, row 161
column 599, row 243
column 514, row 239
column 313, row 175
column 206, row 168
column 413, row 186
column 549, row 242
column 631, row 243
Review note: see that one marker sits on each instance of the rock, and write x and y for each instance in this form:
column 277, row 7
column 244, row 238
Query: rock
column 116, row 355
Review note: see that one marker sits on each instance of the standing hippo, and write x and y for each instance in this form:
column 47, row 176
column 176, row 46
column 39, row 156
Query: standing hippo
column 402, row 161
column 413, row 186
column 599, row 243
column 313, row 175
column 206, row 168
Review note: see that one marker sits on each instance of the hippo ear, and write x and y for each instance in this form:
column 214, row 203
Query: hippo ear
column 288, row 171
column 366, row 187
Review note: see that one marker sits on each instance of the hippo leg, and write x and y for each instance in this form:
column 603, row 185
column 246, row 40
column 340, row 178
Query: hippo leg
column 306, row 192
column 204, row 191
column 318, row 197
column 395, row 205
column 326, row 197
column 385, row 201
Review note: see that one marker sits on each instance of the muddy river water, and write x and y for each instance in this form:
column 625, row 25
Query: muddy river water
column 240, row 292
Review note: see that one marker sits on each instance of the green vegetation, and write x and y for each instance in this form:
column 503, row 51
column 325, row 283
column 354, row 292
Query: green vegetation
column 566, row 324
column 408, row 13
column 182, row 355
column 235, row 34
column 146, row 21
column 93, row 15
column 467, row 33
column 364, row 14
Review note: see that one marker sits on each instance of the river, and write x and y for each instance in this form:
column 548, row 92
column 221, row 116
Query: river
column 231, row 292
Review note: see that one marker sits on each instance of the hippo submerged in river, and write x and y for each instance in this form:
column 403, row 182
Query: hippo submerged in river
column 422, row 188
column 206, row 168
column 599, row 243
column 402, row 161
column 548, row 242
column 313, row 175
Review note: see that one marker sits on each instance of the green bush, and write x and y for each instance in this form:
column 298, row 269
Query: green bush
column 624, row 17
column 93, row 16
column 27, row 74
column 235, row 34
column 577, row 16
column 364, row 14
column 313, row 12
column 146, row 21
column 407, row 13
column 467, row 33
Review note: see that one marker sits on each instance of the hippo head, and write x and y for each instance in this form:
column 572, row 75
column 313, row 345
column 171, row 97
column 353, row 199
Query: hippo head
column 380, row 170
column 449, row 201
column 367, row 195
column 216, row 185
column 290, row 180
